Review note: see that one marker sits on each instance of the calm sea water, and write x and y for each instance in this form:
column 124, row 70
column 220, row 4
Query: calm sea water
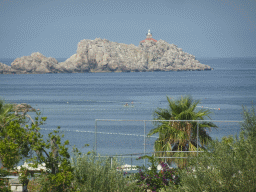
column 74, row 101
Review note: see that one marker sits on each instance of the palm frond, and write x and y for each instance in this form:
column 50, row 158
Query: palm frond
column 203, row 113
column 206, row 124
column 160, row 129
column 5, row 113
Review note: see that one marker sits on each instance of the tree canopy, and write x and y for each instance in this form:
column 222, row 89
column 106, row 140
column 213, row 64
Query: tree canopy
column 179, row 135
column 20, row 138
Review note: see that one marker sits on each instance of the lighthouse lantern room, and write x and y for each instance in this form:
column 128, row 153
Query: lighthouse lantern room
column 149, row 37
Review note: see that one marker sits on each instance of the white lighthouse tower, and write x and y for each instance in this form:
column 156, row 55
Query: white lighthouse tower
column 149, row 37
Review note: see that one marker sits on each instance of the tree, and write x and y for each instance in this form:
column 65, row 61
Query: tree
column 20, row 138
column 180, row 136
column 249, row 123
column 12, row 137
column 5, row 114
column 230, row 164
column 13, row 144
column 55, row 156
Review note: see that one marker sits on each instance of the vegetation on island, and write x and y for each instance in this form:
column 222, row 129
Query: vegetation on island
column 226, row 165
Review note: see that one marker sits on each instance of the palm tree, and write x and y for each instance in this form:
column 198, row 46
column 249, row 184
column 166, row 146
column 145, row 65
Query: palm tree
column 180, row 136
column 5, row 113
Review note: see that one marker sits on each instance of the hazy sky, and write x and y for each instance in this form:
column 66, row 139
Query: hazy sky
column 204, row 28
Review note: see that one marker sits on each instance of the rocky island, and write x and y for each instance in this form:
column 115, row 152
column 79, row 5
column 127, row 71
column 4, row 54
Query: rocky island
column 102, row 55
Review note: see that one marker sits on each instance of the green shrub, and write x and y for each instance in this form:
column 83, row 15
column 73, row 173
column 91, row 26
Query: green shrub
column 34, row 185
column 3, row 182
column 97, row 175
column 154, row 180
column 58, row 182
column 230, row 166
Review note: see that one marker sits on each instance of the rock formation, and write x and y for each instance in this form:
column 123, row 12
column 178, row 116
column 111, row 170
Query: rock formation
column 101, row 55
column 23, row 107
column 36, row 63
column 5, row 69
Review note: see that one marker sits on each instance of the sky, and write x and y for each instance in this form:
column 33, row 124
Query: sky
column 203, row 28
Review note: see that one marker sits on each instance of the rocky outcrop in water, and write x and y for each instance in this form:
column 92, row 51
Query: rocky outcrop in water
column 23, row 107
column 101, row 55
column 36, row 63
column 5, row 69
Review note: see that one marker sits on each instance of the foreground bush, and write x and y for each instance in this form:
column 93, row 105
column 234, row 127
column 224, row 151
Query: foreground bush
column 94, row 175
column 60, row 182
column 229, row 166
column 3, row 183
column 34, row 185
column 154, row 180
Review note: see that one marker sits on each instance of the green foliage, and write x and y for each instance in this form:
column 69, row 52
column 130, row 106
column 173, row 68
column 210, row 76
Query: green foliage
column 154, row 180
column 5, row 114
column 23, row 176
column 34, row 185
column 3, row 172
column 226, row 165
column 58, row 152
column 59, row 173
column 3, row 182
column 59, row 182
column 230, row 166
column 249, row 123
column 18, row 140
column 13, row 144
column 180, row 136
column 5, row 189
column 94, row 175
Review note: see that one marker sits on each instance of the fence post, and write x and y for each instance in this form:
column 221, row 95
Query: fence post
column 95, row 139
column 131, row 161
column 197, row 136
column 144, row 142
column 197, row 140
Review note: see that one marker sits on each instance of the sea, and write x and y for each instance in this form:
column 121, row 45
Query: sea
column 119, row 106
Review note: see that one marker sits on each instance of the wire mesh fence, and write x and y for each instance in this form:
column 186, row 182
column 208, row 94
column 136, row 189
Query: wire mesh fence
column 78, row 138
column 129, row 140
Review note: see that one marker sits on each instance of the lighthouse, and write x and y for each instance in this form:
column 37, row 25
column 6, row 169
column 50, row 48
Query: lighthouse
column 148, row 37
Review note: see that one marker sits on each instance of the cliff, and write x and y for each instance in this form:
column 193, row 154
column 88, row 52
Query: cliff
column 101, row 55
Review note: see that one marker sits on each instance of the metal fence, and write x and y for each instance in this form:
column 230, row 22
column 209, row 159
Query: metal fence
column 128, row 138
